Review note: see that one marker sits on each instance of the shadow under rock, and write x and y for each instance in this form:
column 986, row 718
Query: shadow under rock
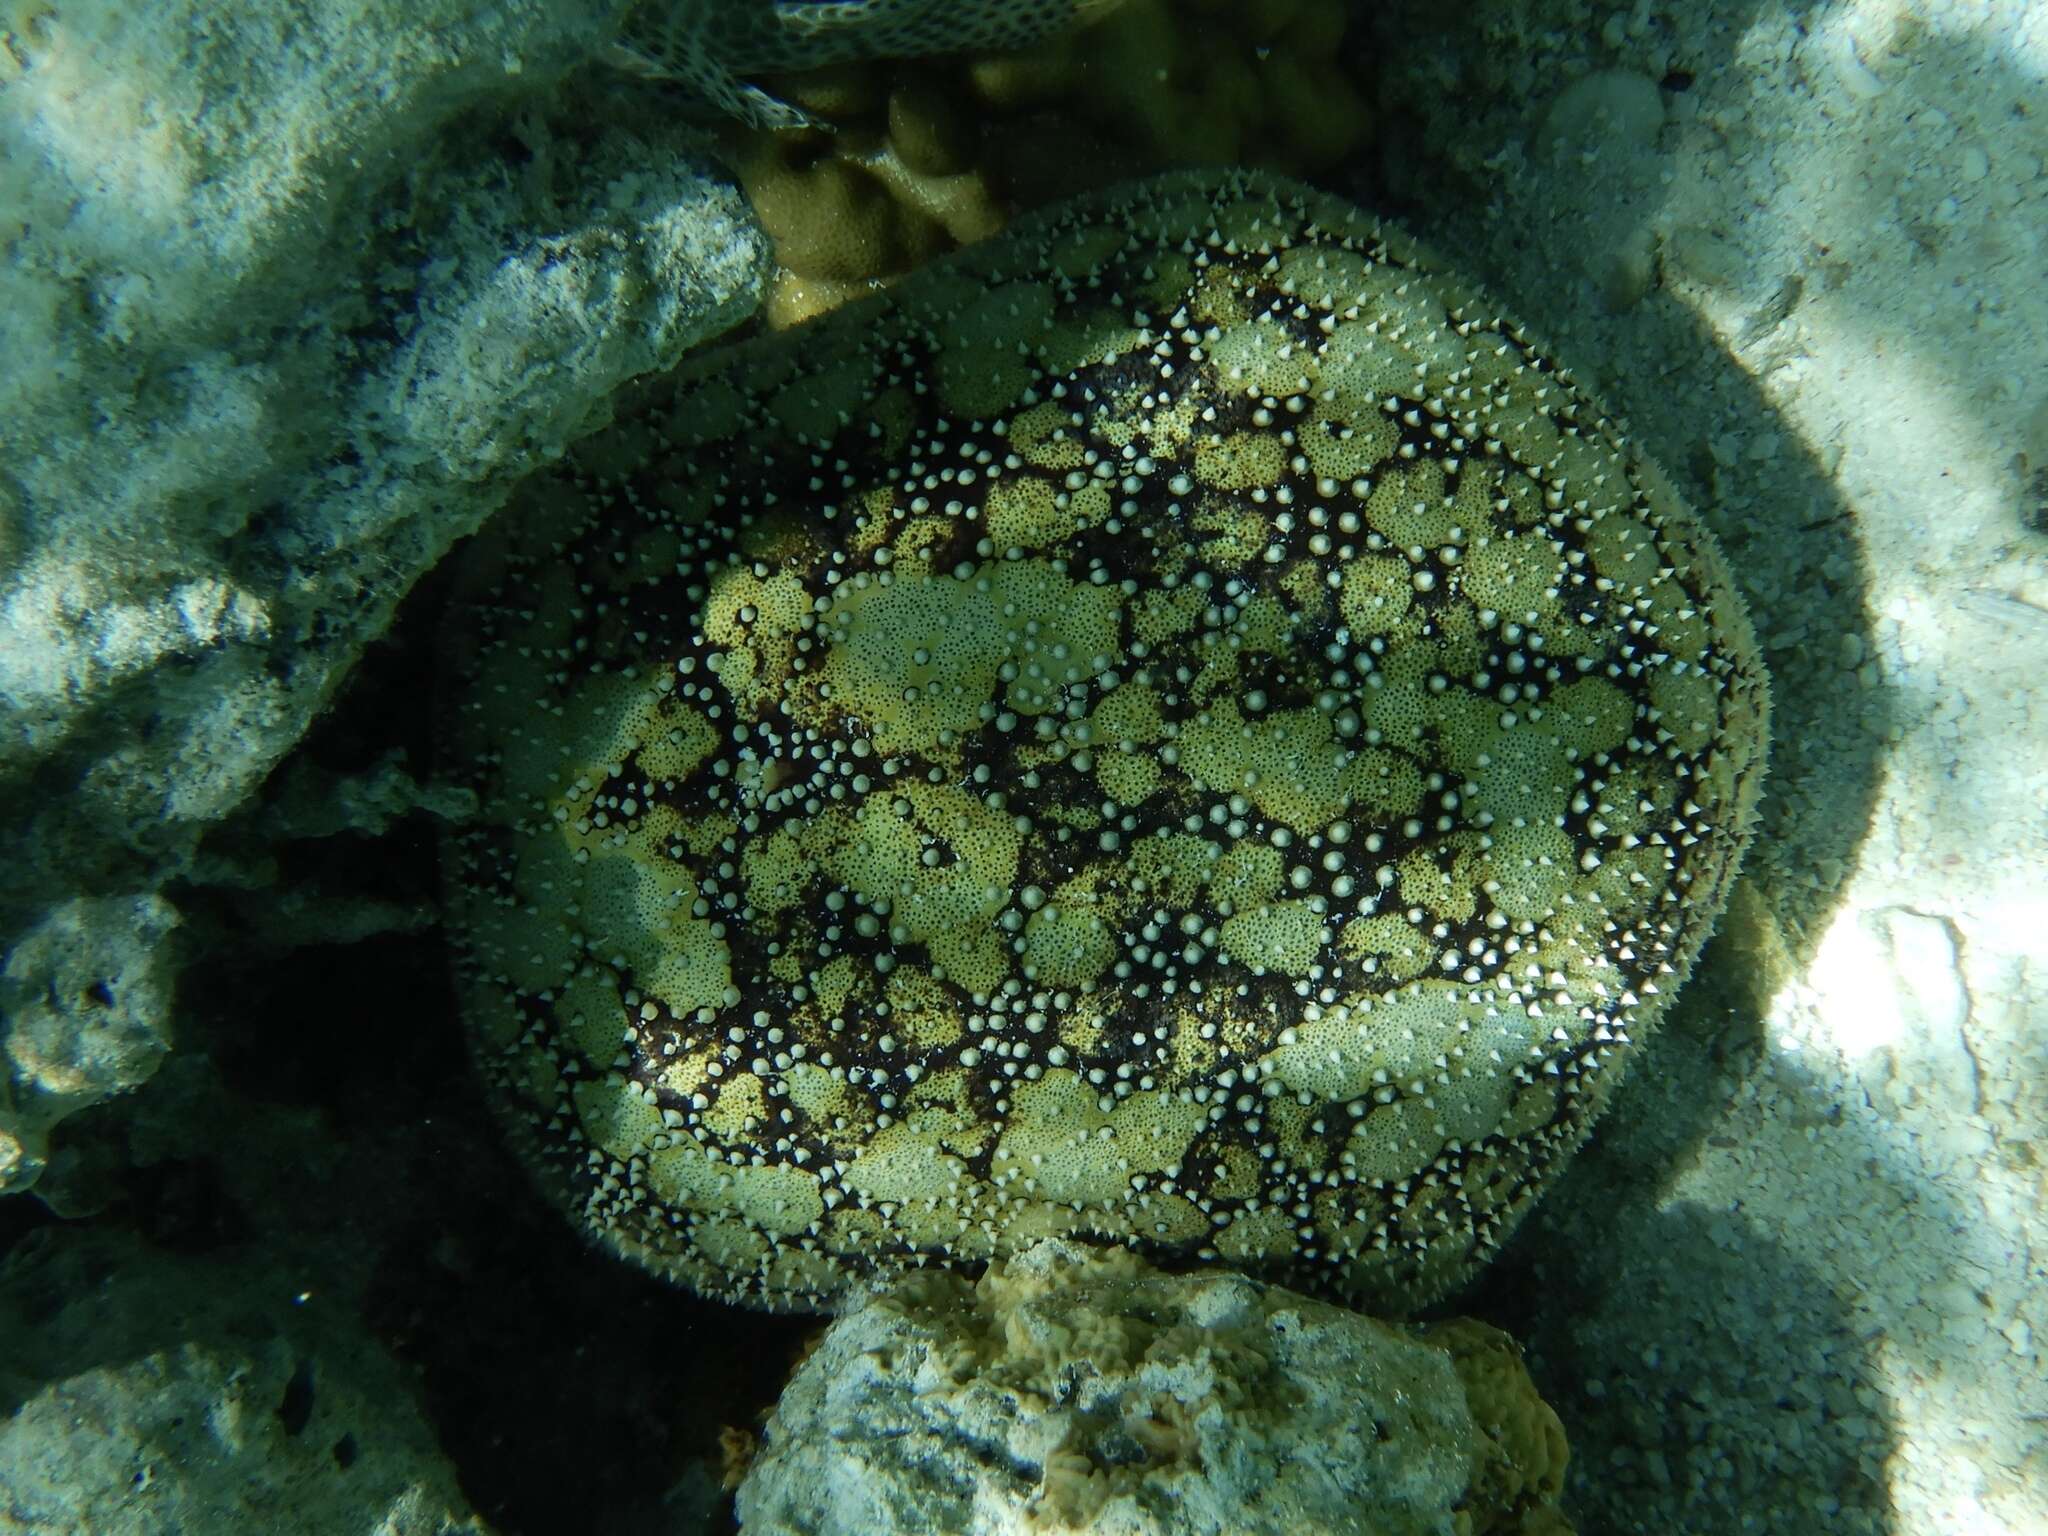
column 570, row 1391
column 19, row 1217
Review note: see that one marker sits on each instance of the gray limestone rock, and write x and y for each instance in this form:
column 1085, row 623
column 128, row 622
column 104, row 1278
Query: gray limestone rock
column 1072, row 1388
column 84, row 1007
column 293, row 295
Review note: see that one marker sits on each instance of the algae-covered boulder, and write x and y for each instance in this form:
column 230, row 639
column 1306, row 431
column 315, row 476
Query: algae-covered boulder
column 1081, row 1391
column 1179, row 727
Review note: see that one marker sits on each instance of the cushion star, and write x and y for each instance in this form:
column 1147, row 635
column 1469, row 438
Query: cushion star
column 1180, row 727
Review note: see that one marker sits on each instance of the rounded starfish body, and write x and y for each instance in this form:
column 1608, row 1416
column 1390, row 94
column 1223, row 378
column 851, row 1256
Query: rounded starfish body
column 1179, row 727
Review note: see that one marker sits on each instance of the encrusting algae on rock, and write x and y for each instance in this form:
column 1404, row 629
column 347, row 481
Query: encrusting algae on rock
column 1177, row 727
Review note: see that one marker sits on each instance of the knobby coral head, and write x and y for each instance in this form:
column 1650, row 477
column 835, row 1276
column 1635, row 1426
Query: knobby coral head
column 1180, row 727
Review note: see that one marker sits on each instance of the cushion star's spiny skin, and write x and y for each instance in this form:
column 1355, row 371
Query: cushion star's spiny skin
column 1179, row 726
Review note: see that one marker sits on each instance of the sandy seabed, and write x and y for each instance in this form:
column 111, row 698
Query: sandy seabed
column 1795, row 1284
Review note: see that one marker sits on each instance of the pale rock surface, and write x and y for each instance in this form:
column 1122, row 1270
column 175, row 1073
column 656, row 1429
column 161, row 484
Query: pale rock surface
column 1081, row 1390
column 292, row 294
